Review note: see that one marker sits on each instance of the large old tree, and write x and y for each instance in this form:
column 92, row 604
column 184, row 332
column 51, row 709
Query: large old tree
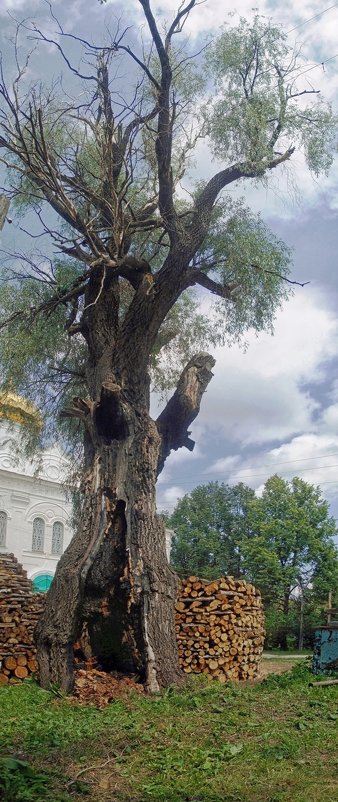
column 101, row 161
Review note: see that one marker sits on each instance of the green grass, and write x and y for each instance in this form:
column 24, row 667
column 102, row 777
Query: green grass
column 272, row 742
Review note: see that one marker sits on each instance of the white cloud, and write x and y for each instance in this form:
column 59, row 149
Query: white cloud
column 259, row 396
column 209, row 16
column 15, row 5
column 167, row 498
column 254, row 412
column 319, row 37
column 312, row 456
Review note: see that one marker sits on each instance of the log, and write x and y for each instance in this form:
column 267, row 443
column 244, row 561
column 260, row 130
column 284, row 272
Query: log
column 21, row 672
column 10, row 662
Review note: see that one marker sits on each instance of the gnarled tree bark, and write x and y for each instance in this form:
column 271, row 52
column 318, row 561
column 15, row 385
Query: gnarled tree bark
column 114, row 580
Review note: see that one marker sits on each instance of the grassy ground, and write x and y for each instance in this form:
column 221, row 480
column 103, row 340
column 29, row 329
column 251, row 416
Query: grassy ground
column 276, row 741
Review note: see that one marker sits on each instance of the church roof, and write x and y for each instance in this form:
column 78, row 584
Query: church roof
column 16, row 409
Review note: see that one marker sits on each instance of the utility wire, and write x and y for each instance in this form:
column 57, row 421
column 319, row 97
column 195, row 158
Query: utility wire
column 240, row 476
column 320, row 64
column 312, row 468
column 294, row 69
column 271, row 466
column 315, row 16
column 172, row 505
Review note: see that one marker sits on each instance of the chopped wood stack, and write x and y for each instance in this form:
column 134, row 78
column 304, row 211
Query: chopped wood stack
column 220, row 628
column 20, row 609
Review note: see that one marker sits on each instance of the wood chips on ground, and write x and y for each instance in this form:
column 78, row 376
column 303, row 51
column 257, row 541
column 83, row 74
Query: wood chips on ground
column 98, row 688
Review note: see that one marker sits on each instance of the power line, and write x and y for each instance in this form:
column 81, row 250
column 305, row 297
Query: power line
column 299, row 74
column 320, row 64
column 315, row 66
column 240, row 475
column 172, row 505
column 315, row 16
column 299, row 459
column 267, row 465
column 313, row 468
column 317, row 467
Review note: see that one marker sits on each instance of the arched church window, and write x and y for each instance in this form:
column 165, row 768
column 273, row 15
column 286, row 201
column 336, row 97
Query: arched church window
column 3, row 528
column 57, row 538
column 42, row 583
column 38, row 538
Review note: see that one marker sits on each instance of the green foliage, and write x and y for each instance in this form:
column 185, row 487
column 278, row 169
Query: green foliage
column 42, row 362
column 245, row 254
column 281, row 541
column 19, row 782
column 71, row 146
column 292, row 546
column 188, row 86
column 257, row 104
column 281, row 627
column 184, row 332
column 37, row 357
column 210, row 526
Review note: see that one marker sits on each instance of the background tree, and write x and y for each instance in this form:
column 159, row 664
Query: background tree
column 291, row 553
column 100, row 166
column 282, row 542
column 210, row 526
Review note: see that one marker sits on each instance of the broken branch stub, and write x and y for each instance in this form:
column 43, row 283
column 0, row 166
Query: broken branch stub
column 183, row 407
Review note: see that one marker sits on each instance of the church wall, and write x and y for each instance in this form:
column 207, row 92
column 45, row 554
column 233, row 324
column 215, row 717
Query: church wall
column 25, row 498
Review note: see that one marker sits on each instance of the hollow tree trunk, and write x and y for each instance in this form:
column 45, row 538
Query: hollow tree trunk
column 114, row 582
column 114, row 577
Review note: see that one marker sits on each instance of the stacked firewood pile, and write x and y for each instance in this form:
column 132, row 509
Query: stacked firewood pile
column 20, row 609
column 219, row 628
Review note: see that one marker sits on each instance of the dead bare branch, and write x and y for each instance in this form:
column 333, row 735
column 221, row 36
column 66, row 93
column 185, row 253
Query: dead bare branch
column 222, row 290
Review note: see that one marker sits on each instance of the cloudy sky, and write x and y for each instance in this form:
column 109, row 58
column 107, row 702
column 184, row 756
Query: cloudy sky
column 274, row 407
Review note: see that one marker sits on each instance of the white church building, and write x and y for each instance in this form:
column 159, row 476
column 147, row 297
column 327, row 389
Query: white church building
column 35, row 513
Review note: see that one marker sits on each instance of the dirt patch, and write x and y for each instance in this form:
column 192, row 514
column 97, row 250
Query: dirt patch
column 276, row 665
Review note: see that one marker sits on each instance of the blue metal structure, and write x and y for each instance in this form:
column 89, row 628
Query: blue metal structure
column 325, row 655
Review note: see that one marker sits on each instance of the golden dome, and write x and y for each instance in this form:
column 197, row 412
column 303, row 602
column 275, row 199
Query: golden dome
column 15, row 408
